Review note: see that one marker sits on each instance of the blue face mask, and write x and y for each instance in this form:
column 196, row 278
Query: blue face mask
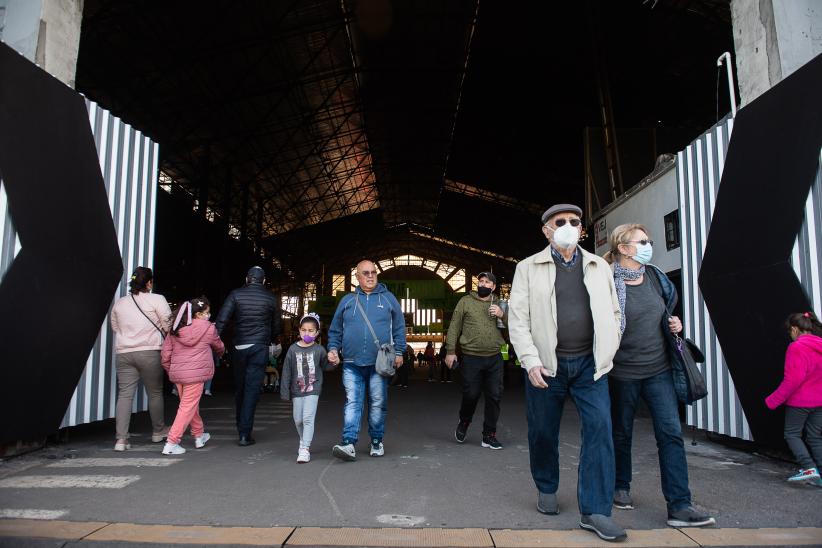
column 644, row 253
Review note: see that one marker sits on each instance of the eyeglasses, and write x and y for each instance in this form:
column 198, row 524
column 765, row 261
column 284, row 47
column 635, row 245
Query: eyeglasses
column 643, row 242
column 367, row 273
column 561, row 222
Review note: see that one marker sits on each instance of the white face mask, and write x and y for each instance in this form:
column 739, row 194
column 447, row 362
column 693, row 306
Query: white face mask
column 566, row 236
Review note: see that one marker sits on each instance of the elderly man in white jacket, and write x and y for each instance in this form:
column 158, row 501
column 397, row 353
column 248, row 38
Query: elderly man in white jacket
column 564, row 325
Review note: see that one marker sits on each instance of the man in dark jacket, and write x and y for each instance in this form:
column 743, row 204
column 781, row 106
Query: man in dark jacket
column 257, row 321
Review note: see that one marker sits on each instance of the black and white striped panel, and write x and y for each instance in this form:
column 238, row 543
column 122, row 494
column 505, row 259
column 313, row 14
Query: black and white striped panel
column 807, row 251
column 699, row 170
column 129, row 164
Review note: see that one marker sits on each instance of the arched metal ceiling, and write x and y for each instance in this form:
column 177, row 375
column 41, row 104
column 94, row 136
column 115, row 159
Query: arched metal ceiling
column 370, row 125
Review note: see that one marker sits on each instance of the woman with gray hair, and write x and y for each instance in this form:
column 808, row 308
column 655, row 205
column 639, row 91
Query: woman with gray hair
column 643, row 369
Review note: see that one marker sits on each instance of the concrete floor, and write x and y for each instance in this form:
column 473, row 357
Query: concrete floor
column 425, row 479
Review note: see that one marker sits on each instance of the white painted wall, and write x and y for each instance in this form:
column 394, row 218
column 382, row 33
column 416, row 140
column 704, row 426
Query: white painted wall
column 647, row 206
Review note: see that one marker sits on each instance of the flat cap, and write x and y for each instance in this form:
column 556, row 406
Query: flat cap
column 560, row 208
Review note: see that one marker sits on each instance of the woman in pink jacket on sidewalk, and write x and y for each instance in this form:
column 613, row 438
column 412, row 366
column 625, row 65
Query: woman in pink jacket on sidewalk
column 187, row 357
column 801, row 392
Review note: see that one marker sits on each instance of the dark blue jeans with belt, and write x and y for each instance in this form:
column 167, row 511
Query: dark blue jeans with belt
column 595, row 483
column 658, row 393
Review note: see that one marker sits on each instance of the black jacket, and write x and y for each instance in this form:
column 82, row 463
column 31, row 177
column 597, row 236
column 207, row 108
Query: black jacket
column 256, row 314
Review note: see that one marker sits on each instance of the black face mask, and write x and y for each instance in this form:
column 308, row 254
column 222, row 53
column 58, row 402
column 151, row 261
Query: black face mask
column 484, row 291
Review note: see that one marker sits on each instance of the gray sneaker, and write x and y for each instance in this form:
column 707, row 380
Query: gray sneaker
column 377, row 448
column 622, row 500
column 547, row 504
column 345, row 452
column 603, row 526
column 689, row 517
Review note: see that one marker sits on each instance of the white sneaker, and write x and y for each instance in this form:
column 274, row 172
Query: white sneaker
column 122, row 445
column 344, row 452
column 208, row 393
column 377, row 448
column 174, row 392
column 303, row 455
column 173, row 449
column 200, row 441
column 161, row 435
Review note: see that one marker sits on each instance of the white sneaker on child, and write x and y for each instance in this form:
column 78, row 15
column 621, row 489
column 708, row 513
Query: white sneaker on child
column 173, row 449
column 303, row 455
column 200, row 441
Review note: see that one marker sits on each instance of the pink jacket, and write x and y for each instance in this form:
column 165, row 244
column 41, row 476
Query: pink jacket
column 802, row 385
column 187, row 358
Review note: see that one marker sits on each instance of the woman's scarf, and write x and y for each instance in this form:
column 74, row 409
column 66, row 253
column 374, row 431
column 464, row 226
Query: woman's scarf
column 620, row 275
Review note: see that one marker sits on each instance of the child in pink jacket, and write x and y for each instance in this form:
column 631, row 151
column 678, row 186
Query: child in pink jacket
column 187, row 357
column 801, row 392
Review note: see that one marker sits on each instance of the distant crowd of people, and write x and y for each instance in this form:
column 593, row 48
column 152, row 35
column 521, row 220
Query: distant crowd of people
column 600, row 330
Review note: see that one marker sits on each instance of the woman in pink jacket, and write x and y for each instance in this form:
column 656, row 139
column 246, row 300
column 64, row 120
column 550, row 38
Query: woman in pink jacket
column 801, row 392
column 187, row 357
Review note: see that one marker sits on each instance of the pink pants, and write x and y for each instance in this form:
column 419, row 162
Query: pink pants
column 188, row 412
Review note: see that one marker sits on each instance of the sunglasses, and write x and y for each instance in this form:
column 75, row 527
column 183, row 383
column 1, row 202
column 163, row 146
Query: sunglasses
column 574, row 222
column 369, row 273
column 643, row 242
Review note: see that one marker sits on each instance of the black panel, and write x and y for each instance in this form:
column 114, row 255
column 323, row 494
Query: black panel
column 55, row 295
column 746, row 277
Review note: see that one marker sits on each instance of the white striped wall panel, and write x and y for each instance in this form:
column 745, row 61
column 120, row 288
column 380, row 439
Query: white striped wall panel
column 699, row 170
column 129, row 164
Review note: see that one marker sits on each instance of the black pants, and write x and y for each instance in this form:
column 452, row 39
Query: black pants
column 402, row 375
column 445, row 373
column 249, row 371
column 481, row 375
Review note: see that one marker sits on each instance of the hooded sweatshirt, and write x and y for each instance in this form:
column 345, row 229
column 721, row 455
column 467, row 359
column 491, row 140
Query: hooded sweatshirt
column 802, row 385
column 474, row 328
column 188, row 356
column 349, row 333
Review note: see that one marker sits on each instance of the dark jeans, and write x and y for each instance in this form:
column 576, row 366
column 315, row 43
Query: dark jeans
column 658, row 394
column 595, row 482
column 249, row 371
column 808, row 419
column 402, row 374
column 481, row 375
column 445, row 373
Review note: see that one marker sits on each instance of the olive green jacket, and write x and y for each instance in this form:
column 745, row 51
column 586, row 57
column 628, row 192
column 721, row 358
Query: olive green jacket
column 474, row 328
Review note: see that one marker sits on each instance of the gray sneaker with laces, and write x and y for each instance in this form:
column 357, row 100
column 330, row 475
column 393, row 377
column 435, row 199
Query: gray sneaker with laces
column 377, row 448
column 603, row 526
column 689, row 517
column 344, row 451
column 622, row 500
column 547, row 504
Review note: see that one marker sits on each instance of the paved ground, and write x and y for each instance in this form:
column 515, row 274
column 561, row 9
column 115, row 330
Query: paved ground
column 425, row 479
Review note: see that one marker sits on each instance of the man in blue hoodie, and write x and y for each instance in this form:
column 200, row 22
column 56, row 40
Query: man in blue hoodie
column 350, row 341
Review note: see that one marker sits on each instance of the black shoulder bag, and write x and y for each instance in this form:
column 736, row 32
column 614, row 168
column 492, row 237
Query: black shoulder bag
column 689, row 355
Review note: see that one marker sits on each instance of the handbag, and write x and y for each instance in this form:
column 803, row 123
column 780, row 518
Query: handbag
column 385, row 352
column 690, row 355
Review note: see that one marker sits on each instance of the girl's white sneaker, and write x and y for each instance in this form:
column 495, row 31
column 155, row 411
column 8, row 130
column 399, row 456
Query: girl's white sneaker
column 173, row 449
column 200, row 441
column 303, row 455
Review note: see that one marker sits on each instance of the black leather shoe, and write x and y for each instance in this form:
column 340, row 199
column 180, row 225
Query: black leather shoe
column 246, row 441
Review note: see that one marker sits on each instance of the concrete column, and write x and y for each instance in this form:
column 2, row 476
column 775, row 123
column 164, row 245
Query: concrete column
column 46, row 32
column 772, row 39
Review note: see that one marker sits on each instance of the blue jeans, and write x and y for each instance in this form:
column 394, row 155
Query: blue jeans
column 658, row 394
column 595, row 473
column 249, row 370
column 357, row 380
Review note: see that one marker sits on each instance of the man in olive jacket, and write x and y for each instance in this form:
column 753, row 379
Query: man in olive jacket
column 474, row 326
